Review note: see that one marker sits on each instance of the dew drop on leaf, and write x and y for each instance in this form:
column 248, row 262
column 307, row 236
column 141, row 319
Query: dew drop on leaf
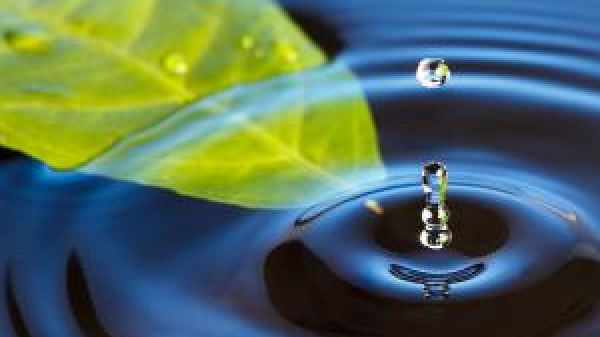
column 30, row 40
column 175, row 64
column 247, row 42
column 287, row 52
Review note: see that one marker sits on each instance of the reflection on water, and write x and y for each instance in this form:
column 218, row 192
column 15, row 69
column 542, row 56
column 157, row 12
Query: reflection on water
column 517, row 125
column 436, row 286
column 518, row 266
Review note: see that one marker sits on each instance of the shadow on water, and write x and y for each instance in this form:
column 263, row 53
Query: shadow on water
column 16, row 317
column 81, row 301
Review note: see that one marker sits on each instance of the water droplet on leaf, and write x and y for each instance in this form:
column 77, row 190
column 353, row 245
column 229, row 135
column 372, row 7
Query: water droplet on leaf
column 31, row 40
column 247, row 42
column 287, row 52
column 175, row 64
column 433, row 72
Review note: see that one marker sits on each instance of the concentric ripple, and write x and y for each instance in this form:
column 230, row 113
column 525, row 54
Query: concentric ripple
column 517, row 126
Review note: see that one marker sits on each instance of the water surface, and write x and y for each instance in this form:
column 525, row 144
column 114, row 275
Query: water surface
column 517, row 126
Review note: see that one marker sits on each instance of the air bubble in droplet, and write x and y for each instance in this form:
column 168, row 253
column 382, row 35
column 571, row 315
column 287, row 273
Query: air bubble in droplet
column 433, row 72
column 31, row 40
column 175, row 64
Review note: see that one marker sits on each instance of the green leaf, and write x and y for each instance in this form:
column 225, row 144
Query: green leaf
column 218, row 99
column 276, row 143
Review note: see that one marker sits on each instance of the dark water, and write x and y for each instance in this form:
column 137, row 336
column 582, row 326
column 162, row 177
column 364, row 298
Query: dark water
column 517, row 125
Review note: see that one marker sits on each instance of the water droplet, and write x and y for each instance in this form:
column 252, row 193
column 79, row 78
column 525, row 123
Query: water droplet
column 291, row 56
column 247, row 42
column 31, row 40
column 287, row 52
column 433, row 72
column 435, row 183
column 175, row 64
column 436, row 234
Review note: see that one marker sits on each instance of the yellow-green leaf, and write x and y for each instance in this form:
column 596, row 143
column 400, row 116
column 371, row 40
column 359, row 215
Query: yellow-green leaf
column 219, row 99
column 280, row 142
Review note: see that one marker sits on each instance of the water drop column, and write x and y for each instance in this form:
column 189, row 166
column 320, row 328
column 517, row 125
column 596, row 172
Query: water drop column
column 436, row 233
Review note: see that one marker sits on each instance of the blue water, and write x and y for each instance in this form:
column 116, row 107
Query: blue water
column 517, row 126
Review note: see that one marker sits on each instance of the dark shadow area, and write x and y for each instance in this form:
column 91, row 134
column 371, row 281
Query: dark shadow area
column 319, row 30
column 7, row 154
column 81, row 301
column 308, row 293
column 14, row 312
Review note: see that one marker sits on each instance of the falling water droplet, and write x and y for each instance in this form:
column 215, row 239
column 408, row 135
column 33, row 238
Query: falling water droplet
column 31, row 39
column 435, row 183
column 175, row 64
column 436, row 234
column 433, row 72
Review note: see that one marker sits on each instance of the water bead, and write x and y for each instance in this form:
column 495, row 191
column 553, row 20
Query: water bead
column 175, row 64
column 247, row 42
column 287, row 52
column 433, row 72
